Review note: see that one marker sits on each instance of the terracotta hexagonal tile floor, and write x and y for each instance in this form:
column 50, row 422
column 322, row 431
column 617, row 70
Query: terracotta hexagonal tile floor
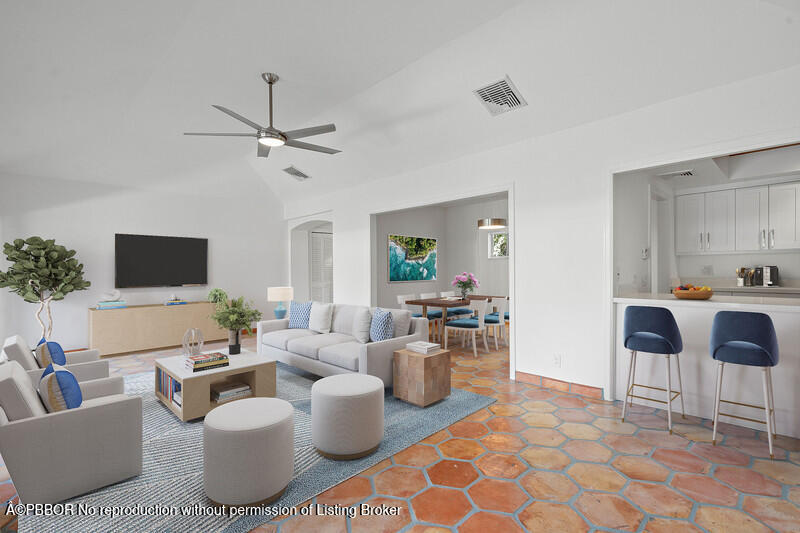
column 545, row 460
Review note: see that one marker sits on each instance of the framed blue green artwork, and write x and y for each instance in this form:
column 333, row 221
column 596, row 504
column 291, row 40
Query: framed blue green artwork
column 411, row 259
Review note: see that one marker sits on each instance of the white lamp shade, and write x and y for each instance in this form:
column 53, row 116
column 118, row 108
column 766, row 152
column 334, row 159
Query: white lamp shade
column 280, row 294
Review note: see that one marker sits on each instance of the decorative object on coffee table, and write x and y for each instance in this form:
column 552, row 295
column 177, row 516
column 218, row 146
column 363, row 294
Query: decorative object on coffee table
column 196, row 399
column 42, row 271
column 421, row 379
column 248, row 451
column 280, row 295
column 233, row 315
column 192, row 342
column 347, row 415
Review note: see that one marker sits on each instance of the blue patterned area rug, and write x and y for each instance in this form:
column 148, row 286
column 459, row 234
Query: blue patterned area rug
column 171, row 483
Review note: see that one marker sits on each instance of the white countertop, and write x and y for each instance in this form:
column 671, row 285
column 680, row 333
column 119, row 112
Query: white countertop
column 774, row 290
column 738, row 303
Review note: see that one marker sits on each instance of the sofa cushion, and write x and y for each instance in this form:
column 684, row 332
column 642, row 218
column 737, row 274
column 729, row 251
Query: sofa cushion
column 382, row 326
column 59, row 389
column 344, row 355
column 50, row 353
column 17, row 395
column 343, row 315
column 310, row 346
column 16, row 349
column 320, row 320
column 299, row 315
column 361, row 323
column 279, row 339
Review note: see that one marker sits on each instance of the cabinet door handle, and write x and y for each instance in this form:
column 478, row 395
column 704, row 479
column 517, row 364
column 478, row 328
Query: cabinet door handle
column 763, row 242
column 772, row 238
column 708, row 241
column 701, row 241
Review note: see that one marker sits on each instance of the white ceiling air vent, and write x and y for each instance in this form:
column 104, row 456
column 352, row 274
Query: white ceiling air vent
column 296, row 173
column 677, row 173
column 500, row 96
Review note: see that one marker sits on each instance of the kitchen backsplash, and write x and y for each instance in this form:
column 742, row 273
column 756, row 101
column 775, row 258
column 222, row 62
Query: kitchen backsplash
column 721, row 269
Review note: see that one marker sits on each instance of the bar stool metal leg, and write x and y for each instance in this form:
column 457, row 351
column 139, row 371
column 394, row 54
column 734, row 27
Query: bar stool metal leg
column 680, row 384
column 633, row 375
column 716, row 402
column 765, row 379
column 772, row 402
column 628, row 385
column 669, row 395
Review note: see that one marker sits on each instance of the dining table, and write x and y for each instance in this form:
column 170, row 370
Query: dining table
column 446, row 303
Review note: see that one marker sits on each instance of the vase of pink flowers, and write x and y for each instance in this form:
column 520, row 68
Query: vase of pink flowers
column 466, row 283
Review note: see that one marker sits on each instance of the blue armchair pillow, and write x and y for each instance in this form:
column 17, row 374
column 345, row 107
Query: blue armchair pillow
column 299, row 315
column 382, row 326
column 49, row 352
column 59, row 389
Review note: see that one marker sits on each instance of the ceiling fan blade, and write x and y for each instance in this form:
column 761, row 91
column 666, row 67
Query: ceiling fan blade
column 224, row 134
column 308, row 132
column 239, row 117
column 263, row 151
column 313, row 147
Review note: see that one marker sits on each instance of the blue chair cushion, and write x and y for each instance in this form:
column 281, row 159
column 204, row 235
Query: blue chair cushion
column 648, row 342
column 743, row 353
column 416, row 315
column 470, row 323
column 434, row 314
column 299, row 315
column 382, row 326
column 459, row 311
column 505, row 315
column 491, row 319
column 59, row 389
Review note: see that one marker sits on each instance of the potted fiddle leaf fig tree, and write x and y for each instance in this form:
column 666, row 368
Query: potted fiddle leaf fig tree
column 41, row 272
column 233, row 315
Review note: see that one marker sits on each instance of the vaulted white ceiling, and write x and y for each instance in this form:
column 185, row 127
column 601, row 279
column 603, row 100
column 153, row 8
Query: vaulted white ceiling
column 102, row 90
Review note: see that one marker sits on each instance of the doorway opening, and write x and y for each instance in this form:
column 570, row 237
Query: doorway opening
column 311, row 263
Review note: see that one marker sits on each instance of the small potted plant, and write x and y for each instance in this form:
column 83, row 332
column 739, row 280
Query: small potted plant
column 233, row 315
column 466, row 282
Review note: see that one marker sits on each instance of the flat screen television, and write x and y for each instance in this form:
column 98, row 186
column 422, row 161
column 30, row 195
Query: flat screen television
column 153, row 261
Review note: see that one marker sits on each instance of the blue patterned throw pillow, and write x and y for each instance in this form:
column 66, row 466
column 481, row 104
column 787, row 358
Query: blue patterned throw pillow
column 382, row 326
column 49, row 352
column 299, row 315
column 59, row 389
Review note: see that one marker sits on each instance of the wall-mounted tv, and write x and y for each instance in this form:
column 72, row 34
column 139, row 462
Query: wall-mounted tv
column 153, row 261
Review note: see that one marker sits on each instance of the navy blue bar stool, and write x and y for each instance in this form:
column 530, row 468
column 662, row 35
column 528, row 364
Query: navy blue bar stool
column 652, row 330
column 742, row 338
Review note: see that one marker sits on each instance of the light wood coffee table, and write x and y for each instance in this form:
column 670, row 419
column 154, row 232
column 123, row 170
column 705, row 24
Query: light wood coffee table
column 421, row 379
column 247, row 367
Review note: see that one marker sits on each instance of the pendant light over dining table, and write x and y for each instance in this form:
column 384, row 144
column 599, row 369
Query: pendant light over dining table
column 492, row 223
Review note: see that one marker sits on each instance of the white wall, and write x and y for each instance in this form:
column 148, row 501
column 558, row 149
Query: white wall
column 467, row 247
column 562, row 209
column 244, row 229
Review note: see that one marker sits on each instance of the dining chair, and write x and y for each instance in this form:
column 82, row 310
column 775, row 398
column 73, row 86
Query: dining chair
column 469, row 327
column 494, row 321
column 457, row 312
column 434, row 316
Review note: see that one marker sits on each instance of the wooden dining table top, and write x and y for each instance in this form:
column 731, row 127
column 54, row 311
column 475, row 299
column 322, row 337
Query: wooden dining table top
column 438, row 302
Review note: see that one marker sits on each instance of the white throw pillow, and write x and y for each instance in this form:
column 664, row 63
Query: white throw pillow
column 402, row 322
column 321, row 315
column 361, row 323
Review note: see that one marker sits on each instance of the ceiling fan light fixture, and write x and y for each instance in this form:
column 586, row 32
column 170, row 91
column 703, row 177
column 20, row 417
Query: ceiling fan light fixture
column 271, row 140
column 492, row 223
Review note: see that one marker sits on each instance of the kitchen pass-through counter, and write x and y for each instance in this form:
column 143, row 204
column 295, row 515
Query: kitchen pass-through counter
column 698, row 369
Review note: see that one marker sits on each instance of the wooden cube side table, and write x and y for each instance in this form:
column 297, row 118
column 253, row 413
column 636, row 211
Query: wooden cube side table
column 421, row 379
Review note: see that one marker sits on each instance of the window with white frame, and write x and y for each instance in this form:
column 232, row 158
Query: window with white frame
column 498, row 244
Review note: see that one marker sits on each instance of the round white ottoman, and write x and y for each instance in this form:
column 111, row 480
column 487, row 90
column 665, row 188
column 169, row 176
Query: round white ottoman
column 248, row 451
column 347, row 415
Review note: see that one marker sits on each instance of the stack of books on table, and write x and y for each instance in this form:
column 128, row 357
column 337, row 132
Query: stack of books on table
column 423, row 347
column 176, row 301
column 114, row 304
column 206, row 361
column 227, row 392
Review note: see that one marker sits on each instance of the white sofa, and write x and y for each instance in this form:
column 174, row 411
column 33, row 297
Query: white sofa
column 339, row 351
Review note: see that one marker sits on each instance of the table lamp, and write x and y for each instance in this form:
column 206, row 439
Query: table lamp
column 280, row 295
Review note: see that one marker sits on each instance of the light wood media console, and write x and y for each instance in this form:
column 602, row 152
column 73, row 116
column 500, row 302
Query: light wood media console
column 148, row 327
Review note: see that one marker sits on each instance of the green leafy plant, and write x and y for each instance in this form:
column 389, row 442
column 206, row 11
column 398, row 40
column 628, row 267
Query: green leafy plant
column 235, row 314
column 42, row 271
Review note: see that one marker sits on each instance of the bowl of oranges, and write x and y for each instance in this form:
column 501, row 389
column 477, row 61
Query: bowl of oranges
column 691, row 292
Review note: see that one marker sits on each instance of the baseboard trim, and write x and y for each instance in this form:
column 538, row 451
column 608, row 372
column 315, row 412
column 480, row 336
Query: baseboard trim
column 557, row 384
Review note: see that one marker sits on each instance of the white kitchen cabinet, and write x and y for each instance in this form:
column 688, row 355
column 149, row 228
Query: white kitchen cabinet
column 784, row 216
column 752, row 218
column 720, row 221
column 690, row 223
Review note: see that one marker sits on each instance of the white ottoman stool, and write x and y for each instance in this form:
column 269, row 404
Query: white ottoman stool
column 248, row 451
column 347, row 415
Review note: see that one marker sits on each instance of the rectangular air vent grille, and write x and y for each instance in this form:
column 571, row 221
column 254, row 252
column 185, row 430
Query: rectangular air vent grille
column 677, row 173
column 296, row 173
column 500, row 97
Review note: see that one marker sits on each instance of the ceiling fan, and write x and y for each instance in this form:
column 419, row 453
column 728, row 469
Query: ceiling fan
column 269, row 137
